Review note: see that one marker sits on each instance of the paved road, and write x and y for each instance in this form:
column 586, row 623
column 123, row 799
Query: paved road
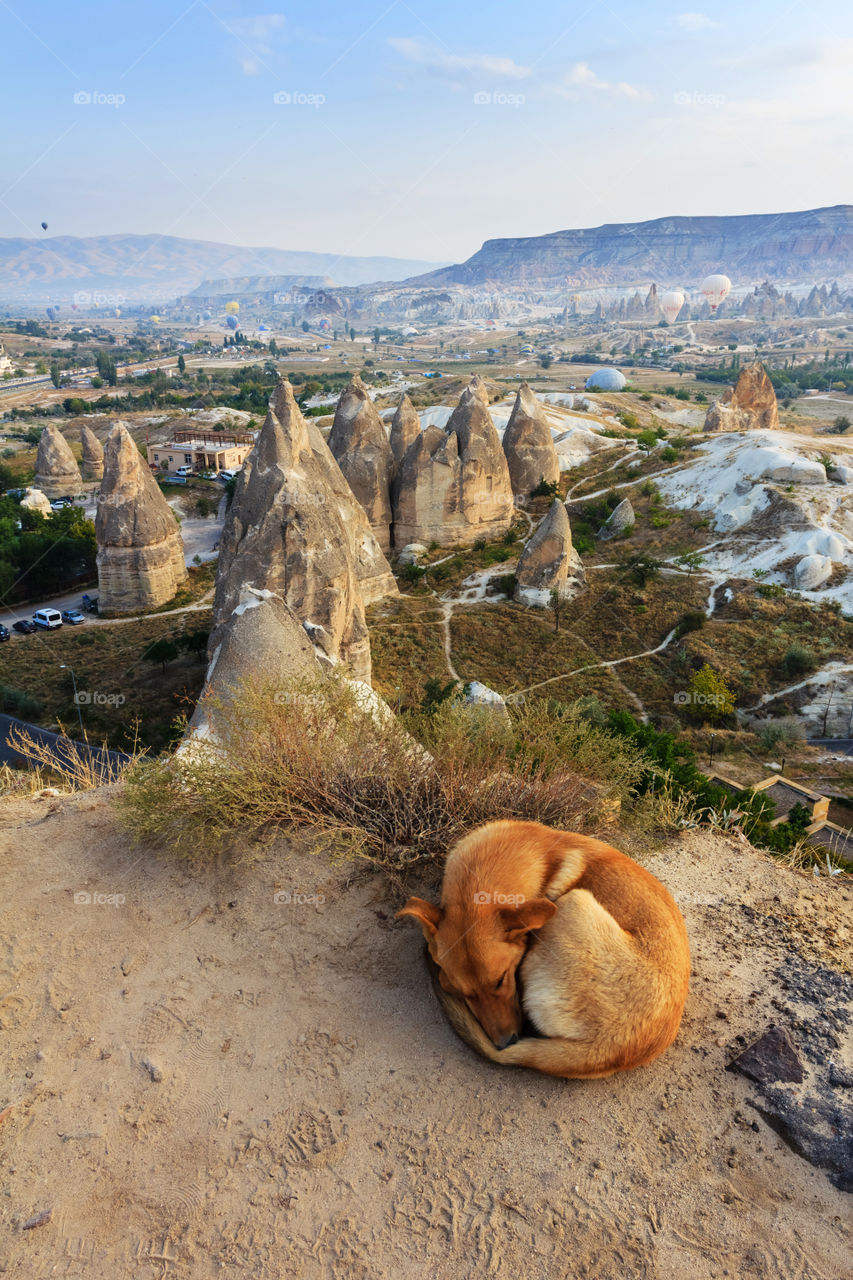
column 833, row 744
column 110, row 762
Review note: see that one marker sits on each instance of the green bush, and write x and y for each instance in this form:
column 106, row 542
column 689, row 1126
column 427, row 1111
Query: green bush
column 798, row 661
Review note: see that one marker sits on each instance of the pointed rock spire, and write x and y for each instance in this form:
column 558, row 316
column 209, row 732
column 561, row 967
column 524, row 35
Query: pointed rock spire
column 93, row 454
column 405, row 429
column 749, row 406
column 296, row 530
column 359, row 443
column 57, row 473
column 140, row 549
column 549, row 561
column 529, row 445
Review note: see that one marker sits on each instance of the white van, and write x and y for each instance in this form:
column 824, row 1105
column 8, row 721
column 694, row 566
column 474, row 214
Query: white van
column 47, row 619
column 184, row 471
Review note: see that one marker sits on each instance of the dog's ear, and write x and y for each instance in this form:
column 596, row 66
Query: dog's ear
column 427, row 913
column 528, row 916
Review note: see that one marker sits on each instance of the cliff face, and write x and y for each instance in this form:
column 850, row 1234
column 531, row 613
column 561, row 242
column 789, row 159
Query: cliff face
column 783, row 246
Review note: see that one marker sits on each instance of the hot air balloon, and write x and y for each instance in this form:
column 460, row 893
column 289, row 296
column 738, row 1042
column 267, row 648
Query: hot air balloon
column 118, row 313
column 50, row 313
column 206, row 315
column 232, row 322
column 232, row 308
column 154, row 319
column 716, row 289
column 44, row 226
column 671, row 303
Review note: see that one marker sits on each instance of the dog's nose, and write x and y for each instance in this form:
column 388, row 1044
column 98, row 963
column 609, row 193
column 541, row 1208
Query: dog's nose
column 507, row 1041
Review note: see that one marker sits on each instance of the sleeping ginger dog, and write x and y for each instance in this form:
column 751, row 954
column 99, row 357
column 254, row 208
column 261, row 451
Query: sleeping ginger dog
column 565, row 931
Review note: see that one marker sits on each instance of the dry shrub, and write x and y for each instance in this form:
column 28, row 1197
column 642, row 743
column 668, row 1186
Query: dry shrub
column 63, row 762
column 317, row 759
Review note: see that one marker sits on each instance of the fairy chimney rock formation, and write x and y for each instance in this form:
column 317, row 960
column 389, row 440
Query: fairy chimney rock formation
column 620, row 519
column 405, row 429
column 140, row 549
column 549, row 562
column 93, row 454
column 749, row 406
column 359, row 442
column 453, row 484
column 57, row 473
column 294, row 529
column 262, row 637
column 529, row 445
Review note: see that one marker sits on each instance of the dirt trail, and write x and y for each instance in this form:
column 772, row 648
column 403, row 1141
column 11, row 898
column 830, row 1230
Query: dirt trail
column 206, row 1081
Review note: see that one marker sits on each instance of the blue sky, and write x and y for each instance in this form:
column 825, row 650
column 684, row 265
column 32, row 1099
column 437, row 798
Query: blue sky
column 411, row 129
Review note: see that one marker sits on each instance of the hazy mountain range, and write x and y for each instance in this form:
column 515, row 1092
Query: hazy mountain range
column 813, row 245
column 143, row 268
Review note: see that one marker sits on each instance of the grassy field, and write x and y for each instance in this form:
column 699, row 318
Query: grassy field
column 124, row 695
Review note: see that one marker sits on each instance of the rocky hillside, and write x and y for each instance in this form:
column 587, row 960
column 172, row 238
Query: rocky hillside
column 245, row 1070
column 817, row 243
column 159, row 267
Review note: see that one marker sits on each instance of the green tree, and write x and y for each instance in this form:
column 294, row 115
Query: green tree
column 690, row 562
column 161, row 651
column 710, row 696
column 55, row 374
column 182, row 364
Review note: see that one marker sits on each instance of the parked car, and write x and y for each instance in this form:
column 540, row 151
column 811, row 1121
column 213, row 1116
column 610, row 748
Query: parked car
column 47, row 619
column 90, row 603
column 74, row 616
column 4, row 632
column 226, row 475
column 184, row 471
column 24, row 626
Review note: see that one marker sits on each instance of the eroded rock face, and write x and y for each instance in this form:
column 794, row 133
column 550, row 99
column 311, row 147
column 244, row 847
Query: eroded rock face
column 262, row 636
column 749, row 406
column 620, row 519
column 286, row 533
column 360, row 445
column 405, row 429
column 140, row 549
column 93, row 454
column 528, row 445
column 453, row 484
column 812, row 572
column 57, row 473
column 549, row 561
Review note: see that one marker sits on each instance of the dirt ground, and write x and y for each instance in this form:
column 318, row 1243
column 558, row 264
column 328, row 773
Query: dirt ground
column 203, row 1081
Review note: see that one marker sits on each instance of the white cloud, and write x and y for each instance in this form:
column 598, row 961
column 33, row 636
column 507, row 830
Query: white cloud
column 580, row 77
column 256, row 36
column 694, row 22
column 427, row 55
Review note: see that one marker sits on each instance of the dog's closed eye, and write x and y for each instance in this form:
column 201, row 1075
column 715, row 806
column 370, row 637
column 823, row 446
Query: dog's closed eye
column 501, row 980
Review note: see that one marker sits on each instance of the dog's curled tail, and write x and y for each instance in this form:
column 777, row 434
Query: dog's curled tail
column 554, row 1056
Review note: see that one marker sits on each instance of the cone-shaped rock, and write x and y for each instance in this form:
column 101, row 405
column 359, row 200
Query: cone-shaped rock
column 453, row 485
column 405, row 429
column 286, row 533
column 359, row 443
column 620, row 519
column 57, row 473
column 529, row 445
column 262, row 638
column 140, row 549
column 749, row 406
column 93, row 454
column 477, row 387
column 549, row 561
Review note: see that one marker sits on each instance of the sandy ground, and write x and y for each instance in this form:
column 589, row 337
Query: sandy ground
column 204, row 1081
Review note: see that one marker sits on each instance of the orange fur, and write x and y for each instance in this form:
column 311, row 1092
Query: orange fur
column 565, row 930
